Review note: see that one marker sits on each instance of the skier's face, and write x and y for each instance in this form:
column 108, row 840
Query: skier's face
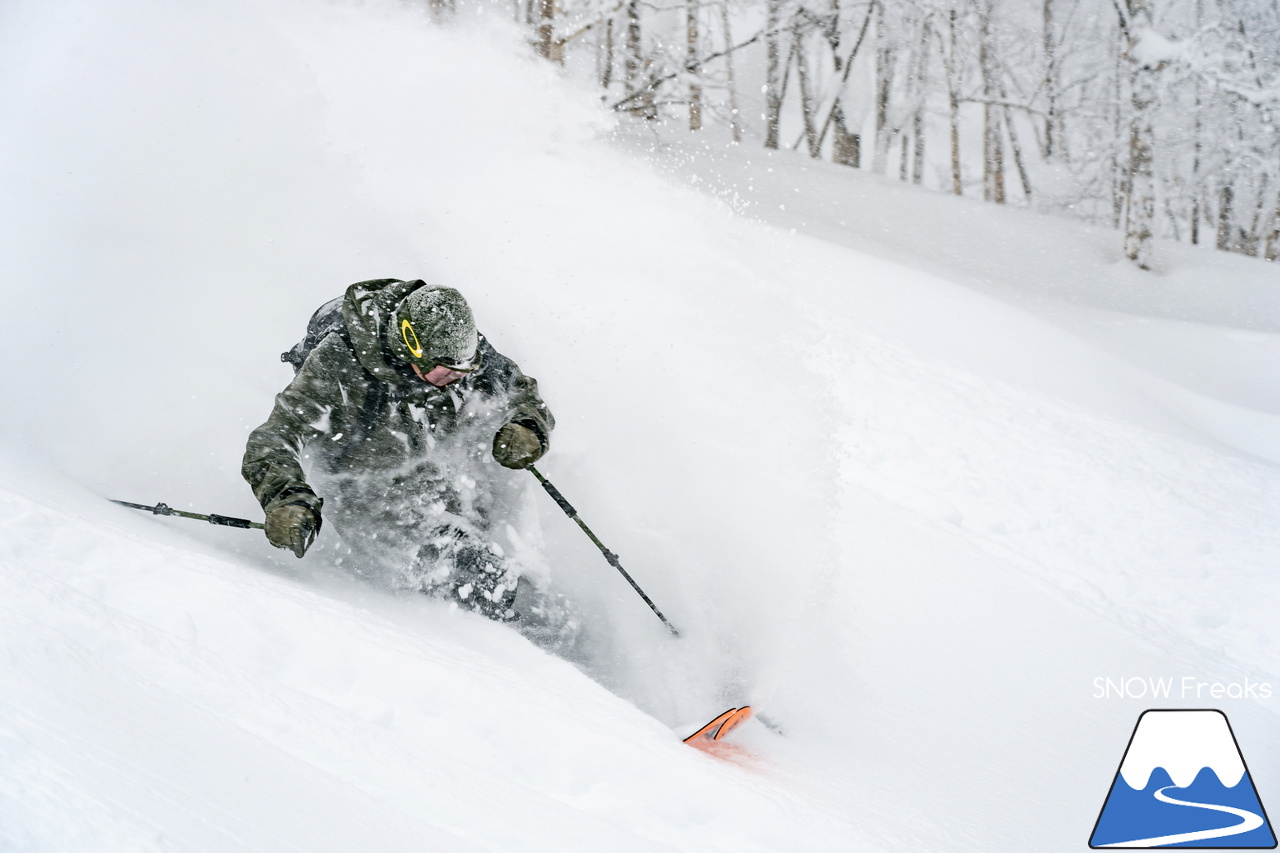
column 439, row 375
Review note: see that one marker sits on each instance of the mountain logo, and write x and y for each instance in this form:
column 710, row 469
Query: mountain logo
column 1183, row 783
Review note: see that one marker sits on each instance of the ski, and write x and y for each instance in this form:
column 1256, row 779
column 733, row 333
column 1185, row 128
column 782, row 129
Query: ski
column 709, row 735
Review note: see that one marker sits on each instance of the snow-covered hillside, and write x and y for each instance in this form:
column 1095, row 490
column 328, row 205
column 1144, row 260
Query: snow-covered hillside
column 908, row 471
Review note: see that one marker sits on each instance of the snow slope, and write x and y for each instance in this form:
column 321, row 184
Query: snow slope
column 158, row 698
column 909, row 472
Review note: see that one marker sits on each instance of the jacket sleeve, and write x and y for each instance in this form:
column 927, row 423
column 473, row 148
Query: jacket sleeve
column 314, row 404
column 525, row 406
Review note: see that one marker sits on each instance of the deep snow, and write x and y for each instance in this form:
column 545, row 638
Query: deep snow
column 910, row 472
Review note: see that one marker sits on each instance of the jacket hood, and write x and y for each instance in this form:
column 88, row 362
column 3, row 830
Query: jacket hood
column 369, row 308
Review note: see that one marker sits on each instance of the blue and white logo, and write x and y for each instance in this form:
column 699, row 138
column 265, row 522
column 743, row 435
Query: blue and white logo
column 1183, row 783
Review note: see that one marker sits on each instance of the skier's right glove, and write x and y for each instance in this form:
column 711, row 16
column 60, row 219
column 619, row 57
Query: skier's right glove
column 516, row 446
column 293, row 526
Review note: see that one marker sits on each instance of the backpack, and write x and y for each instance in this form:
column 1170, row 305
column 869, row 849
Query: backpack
column 326, row 321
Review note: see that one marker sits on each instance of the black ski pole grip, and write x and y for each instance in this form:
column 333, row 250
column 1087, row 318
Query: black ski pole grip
column 559, row 498
column 227, row 521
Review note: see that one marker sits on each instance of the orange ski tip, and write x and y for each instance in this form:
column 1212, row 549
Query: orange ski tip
column 735, row 719
column 711, row 730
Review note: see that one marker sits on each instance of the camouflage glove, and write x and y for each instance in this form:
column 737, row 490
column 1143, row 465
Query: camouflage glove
column 516, row 446
column 292, row 526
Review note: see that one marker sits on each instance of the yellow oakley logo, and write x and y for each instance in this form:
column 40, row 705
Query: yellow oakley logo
column 407, row 332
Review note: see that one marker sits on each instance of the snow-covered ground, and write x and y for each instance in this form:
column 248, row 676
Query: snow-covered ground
column 910, row 472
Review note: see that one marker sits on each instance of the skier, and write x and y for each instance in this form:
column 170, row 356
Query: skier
column 402, row 412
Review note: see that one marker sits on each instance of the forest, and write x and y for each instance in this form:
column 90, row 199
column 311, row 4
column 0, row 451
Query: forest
column 1153, row 117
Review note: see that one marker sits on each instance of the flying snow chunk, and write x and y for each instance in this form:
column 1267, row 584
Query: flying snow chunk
column 1183, row 783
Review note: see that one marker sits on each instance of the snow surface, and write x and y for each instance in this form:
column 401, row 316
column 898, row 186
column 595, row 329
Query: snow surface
column 910, row 472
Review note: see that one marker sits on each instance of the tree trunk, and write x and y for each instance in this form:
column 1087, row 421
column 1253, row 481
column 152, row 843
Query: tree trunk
column 1140, row 209
column 1052, row 120
column 1253, row 242
column 806, row 97
column 953, row 107
column 846, row 147
column 919, row 86
column 917, row 154
column 549, row 47
column 1016, row 148
column 1197, row 149
column 1272, row 250
column 997, row 159
column 1119, row 166
column 1226, row 201
column 992, row 148
column 1023, row 176
column 735, row 121
column 636, row 68
column 691, row 59
column 773, row 74
column 884, row 90
column 606, row 64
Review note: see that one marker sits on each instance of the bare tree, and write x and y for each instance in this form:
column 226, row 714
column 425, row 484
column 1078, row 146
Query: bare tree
column 1052, row 126
column 735, row 121
column 884, row 90
column 1271, row 250
column 951, row 68
column 606, row 59
column 691, row 66
column 1144, row 65
column 992, row 145
column 548, row 46
column 807, row 106
column 773, row 86
column 636, row 67
column 918, row 85
column 846, row 145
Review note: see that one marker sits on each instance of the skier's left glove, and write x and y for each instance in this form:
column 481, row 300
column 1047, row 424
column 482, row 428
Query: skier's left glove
column 516, row 446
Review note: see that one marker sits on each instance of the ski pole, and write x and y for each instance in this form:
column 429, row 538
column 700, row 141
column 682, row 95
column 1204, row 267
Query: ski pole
column 165, row 509
column 608, row 555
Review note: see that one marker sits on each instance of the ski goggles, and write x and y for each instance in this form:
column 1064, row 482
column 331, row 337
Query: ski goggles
column 441, row 375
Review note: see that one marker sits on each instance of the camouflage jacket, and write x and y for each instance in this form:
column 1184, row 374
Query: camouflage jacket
column 354, row 410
